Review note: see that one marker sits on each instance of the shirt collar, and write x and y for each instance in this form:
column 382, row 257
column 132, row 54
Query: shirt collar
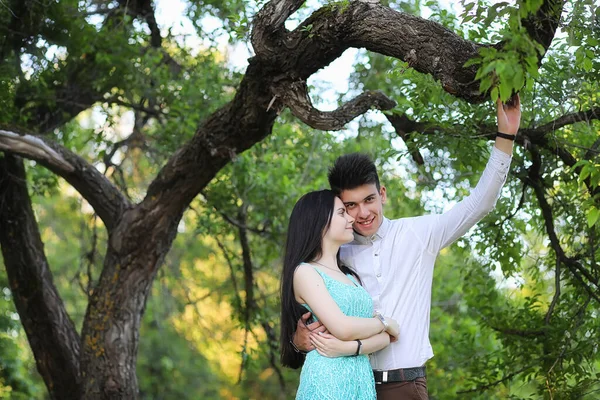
column 380, row 234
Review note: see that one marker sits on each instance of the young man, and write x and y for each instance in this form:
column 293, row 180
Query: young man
column 395, row 258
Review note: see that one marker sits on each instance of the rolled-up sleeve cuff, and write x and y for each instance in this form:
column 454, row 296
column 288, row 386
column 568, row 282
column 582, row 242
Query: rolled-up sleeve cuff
column 499, row 159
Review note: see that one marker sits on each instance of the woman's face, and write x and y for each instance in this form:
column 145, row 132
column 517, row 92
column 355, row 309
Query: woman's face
column 340, row 228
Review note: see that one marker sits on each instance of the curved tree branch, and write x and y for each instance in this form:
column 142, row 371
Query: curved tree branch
column 269, row 25
column 426, row 46
column 103, row 196
column 34, row 148
column 295, row 96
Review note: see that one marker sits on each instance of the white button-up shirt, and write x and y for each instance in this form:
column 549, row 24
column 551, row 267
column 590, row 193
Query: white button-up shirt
column 396, row 264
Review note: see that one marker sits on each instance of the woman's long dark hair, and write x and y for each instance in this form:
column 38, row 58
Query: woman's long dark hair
column 309, row 221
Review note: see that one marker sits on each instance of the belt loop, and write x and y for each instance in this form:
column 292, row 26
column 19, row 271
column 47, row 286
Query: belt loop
column 384, row 377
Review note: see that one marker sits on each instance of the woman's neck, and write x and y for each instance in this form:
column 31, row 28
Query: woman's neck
column 329, row 256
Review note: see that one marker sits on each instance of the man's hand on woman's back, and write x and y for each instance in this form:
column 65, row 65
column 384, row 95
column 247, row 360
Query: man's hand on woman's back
column 302, row 335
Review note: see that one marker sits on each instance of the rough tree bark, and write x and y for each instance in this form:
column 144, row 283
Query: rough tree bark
column 101, row 364
column 52, row 335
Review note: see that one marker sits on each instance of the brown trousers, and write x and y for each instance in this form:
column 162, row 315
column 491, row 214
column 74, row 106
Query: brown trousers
column 412, row 390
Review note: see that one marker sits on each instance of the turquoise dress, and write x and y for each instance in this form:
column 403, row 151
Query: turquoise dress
column 341, row 378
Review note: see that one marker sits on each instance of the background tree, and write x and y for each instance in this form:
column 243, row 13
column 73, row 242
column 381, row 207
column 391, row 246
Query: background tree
column 180, row 168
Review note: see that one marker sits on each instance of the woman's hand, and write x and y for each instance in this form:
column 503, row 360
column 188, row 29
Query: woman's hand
column 329, row 346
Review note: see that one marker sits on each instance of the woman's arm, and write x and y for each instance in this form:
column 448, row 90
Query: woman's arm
column 310, row 289
column 328, row 346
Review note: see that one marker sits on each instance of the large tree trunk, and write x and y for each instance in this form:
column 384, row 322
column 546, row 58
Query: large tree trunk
column 51, row 334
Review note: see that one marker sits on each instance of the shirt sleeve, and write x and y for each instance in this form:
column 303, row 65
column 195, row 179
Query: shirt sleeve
column 454, row 223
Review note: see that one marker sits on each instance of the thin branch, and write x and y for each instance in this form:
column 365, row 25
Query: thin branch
column 108, row 202
column 565, row 120
column 576, row 324
column 490, row 385
column 273, row 353
column 138, row 107
column 295, row 96
column 248, row 281
column 240, row 225
column 593, row 151
column 404, row 127
column 535, row 181
column 556, row 292
column 518, row 332
column 259, row 231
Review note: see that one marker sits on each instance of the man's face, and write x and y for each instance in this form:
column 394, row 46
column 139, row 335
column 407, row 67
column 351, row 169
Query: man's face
column 365, row 205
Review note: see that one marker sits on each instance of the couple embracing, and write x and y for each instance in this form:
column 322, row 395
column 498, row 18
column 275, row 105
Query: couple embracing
column 356, row 286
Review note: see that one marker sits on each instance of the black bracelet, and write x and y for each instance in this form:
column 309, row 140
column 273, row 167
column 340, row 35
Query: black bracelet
column 358, row 347
column 506, row 136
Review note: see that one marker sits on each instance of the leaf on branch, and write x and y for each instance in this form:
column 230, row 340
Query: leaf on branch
column 592, row 216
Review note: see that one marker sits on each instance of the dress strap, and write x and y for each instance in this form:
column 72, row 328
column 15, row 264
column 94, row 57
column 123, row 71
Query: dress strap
column 353, row 279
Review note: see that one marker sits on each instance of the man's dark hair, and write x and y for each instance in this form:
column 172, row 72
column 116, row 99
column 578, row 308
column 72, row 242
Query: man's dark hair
column 351, row 171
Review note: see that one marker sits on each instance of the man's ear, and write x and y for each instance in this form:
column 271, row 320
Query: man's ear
column 383, row 195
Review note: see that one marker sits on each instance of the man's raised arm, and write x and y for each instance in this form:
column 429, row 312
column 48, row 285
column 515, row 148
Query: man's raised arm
column 449, row 226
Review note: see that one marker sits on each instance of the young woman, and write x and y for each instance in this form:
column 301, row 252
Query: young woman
column 314, row 279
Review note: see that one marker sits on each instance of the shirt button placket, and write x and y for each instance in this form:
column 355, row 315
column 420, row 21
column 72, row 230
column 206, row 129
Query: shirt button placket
column 376, row 263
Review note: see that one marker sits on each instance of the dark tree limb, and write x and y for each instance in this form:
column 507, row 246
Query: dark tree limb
column 518, row 332
column 248, row 280
column 405, row 127
column 107, row 200
column 144, row 10
column 542, row 26
column 507, row 377
column 579, row 271
column 593, row 151
column 51, row 333
column 269, row 27
column 295, row 96
column 565, row 120
column 426, row 46
column 272, row 341
column 248, row 266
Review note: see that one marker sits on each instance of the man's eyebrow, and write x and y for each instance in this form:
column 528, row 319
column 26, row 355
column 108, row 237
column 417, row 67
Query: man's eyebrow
column 368, row 196
column 350, row 203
